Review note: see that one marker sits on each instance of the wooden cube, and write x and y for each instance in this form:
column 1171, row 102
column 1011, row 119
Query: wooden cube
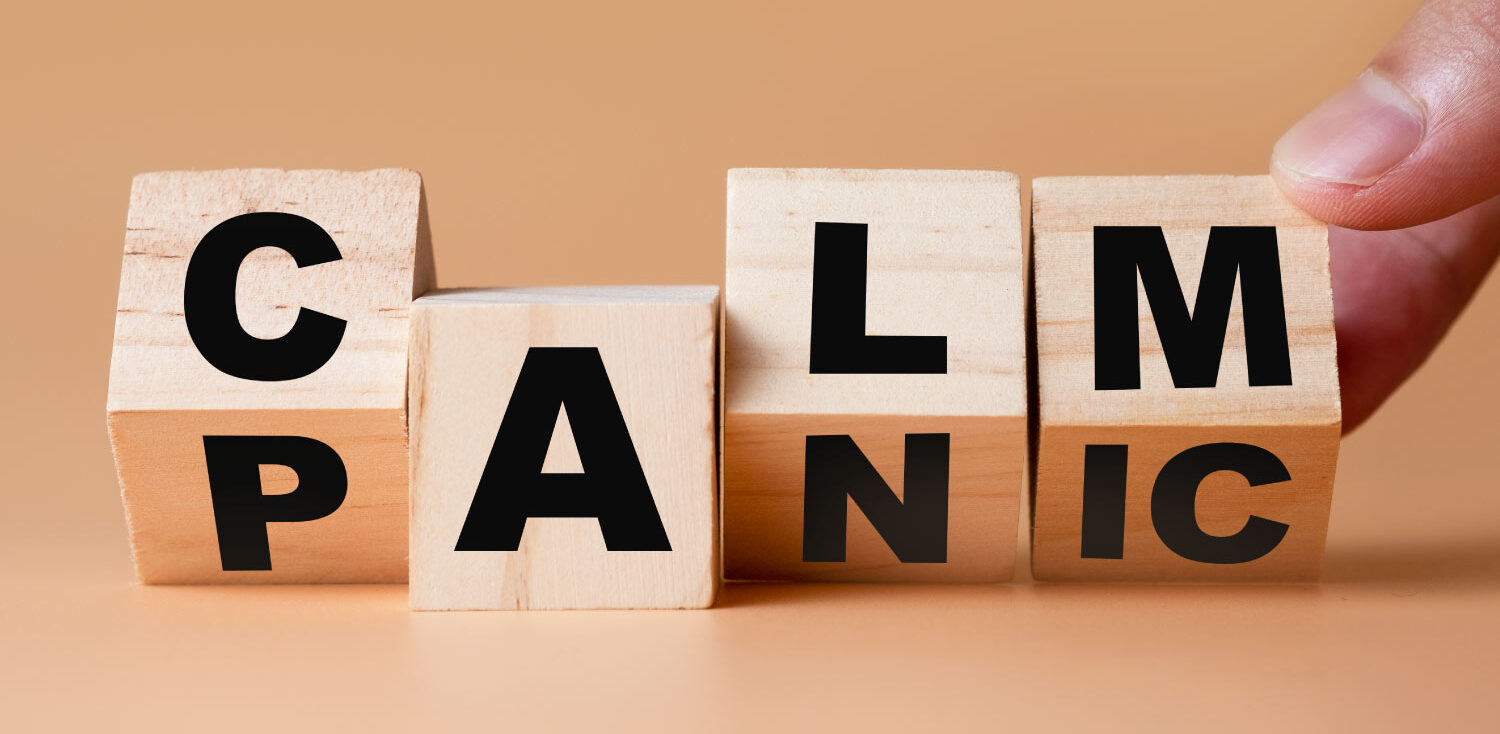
column 562, row 444
column 1177, row 441
column 257, row 393
column 874, row 375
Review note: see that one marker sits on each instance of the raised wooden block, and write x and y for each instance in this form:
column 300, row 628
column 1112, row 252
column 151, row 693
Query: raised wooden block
column 562, row 448
column 1176, row 442
column 874, row 375
column 257, row 392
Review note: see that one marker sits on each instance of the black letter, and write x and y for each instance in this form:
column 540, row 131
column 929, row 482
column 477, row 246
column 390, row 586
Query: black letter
column 208, row 299
column 839, row 343
column 1192, row 344
column 1173, row 501
column 612, row 486
column 241, row 511
column 1104, row 500
column 916, row 529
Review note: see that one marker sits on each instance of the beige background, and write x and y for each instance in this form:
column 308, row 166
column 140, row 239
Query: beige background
column 569, row 144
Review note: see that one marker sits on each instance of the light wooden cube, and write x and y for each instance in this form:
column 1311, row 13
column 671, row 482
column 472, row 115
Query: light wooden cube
column 212, row 386
column 893, row 452
column 1159, row 457
column 562, row 444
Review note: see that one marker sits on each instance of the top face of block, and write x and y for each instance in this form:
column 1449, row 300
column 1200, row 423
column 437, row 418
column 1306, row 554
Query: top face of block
column 611, row 295
column 1065, row 212
column 944, row 259
column 383, row 260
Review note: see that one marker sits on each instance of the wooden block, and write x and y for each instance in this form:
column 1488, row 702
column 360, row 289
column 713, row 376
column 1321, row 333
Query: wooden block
column 1187, row 382
column 257, row 394
column 874, row 406
column 562, row 444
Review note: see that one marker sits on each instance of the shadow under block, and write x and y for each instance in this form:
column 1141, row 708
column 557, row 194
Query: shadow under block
column 1205, row 466
column 166, row 396
column 562, row 444
column 942, row 258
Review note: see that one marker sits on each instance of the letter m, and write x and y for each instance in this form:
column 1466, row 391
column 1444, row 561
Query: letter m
column 1193, row 343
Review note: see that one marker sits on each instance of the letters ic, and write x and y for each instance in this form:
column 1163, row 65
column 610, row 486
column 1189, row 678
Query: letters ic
column 874, row 389
column 1188, row 402
column 562, row 444
column 257, row 399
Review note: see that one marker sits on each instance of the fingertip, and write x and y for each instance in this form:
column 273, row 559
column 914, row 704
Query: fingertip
column 1303, row 191
column 1396, row 202
column 1338, row 204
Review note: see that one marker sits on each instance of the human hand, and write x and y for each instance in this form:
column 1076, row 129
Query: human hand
column 1404, row 163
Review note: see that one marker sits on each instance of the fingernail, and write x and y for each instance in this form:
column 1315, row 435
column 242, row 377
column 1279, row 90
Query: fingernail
column 1355, row 137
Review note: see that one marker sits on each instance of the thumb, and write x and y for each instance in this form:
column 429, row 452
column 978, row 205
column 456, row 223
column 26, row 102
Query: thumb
column 1414, row 138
